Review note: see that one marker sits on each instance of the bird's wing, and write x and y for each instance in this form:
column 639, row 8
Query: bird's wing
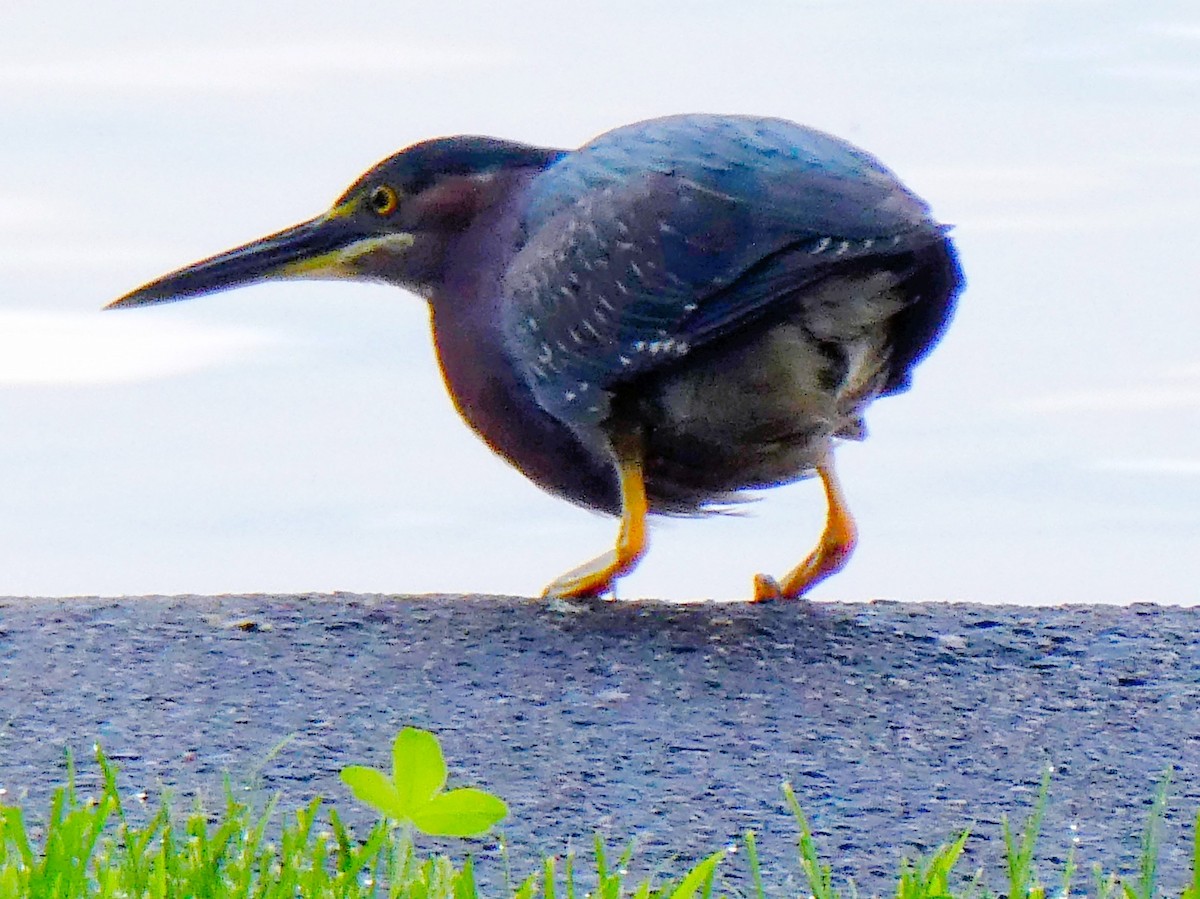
column 659, row 237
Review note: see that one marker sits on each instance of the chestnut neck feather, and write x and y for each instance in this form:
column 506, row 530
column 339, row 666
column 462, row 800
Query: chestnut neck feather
column 487, row 390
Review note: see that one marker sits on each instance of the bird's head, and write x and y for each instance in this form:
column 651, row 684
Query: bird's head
column 392, row 224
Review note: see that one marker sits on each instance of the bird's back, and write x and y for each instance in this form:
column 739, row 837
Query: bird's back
column 689, row 228
column 657, row 253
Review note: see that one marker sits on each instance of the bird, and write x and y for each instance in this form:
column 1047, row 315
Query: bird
column 681, row 312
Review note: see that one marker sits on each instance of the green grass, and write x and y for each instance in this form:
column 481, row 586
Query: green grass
column 89, row 847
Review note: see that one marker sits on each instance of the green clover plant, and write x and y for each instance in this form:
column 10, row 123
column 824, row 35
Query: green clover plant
column 415, row 793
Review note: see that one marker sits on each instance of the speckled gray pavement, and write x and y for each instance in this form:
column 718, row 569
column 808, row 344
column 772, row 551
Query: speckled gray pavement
column 898, row 724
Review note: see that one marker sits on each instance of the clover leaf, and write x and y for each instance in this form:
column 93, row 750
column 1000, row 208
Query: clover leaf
column 414, row 795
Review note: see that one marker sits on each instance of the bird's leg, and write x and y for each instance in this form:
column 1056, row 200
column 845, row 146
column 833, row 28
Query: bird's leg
column 831, row 554
column 597, row 576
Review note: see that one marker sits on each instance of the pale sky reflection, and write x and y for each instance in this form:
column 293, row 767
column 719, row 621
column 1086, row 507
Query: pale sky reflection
column 61, row 349
column 250, row 68
column 298, row 437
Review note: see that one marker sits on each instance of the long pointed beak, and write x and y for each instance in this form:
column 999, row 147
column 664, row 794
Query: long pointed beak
column 318, row 248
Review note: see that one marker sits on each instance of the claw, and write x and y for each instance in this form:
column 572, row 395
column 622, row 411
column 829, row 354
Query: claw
column 766, row 589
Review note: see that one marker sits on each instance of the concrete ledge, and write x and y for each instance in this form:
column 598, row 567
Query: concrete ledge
column 898, row 724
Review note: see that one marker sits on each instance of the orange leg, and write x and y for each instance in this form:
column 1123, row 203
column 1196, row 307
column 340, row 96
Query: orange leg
column 597, row 576
column 831, row 554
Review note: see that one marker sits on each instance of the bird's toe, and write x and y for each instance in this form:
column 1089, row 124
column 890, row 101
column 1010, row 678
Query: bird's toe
column 766, row 589
column 591, row 579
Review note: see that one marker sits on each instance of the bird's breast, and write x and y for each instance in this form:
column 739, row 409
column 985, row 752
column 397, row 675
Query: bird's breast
column 484, row 382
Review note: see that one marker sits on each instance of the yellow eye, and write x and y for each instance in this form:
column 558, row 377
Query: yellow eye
column 383, row 200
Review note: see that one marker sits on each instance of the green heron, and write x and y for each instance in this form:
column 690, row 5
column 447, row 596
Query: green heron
column 679, row 311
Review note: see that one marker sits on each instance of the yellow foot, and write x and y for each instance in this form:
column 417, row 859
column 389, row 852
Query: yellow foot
column 596, row 577
column 593, row 578
column 830, row 556
column 827, row 559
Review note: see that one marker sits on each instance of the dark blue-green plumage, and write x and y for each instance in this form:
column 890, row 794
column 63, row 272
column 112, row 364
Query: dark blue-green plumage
column 659, row 237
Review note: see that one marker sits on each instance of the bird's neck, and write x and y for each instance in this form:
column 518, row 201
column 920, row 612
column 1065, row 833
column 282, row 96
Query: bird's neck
column 485, row 386
column 465, row 306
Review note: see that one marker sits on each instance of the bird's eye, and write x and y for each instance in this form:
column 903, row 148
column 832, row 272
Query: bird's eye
column 383, row 200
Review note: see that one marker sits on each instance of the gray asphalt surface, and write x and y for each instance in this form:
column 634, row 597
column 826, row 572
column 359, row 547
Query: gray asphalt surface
column 898, row 724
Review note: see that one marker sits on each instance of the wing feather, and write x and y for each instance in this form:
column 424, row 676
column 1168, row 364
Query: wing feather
column 657, row 238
